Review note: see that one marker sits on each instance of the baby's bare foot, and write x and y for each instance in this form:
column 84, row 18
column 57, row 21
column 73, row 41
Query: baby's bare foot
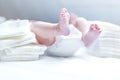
column 64, row 22
column 91, row 35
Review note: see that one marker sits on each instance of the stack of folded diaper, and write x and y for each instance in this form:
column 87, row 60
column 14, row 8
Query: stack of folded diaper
column 17, row 42
column 108, row 44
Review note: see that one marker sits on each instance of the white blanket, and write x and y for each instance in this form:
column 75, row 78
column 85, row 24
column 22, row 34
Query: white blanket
column 81, row 67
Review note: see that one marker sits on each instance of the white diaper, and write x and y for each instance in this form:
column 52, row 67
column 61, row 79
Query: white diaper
column 66, row 46
column 17, row 42
column 28, row 52
column 15, row 33
column 12, row 28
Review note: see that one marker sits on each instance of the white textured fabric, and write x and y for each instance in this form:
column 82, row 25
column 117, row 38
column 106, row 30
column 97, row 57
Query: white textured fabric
column 13, row 28
column 108, row 44
column 17, row 42
column 66, row 46
column 15, row 33
column 31, row 51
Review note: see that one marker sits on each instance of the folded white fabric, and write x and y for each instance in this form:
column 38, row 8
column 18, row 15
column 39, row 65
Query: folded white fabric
column 66, row 46
column 15, row 33
column 19, row 58
column 13, row 28
column 108, row 43
column 27, row 52
column 17, row 42
column 31, row 48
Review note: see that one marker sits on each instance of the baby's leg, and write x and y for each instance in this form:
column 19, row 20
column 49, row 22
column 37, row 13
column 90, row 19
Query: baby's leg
column 91, row 35
column 46, row 32
column 63, row 24
column 80, row 23
column 89, row 32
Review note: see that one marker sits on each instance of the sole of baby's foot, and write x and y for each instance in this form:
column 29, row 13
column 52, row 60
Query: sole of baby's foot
column 91, row 35
column 64, row 22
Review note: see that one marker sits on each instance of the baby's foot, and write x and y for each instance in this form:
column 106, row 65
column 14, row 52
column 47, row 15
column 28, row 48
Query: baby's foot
column 64, row 22
column 91, row 35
